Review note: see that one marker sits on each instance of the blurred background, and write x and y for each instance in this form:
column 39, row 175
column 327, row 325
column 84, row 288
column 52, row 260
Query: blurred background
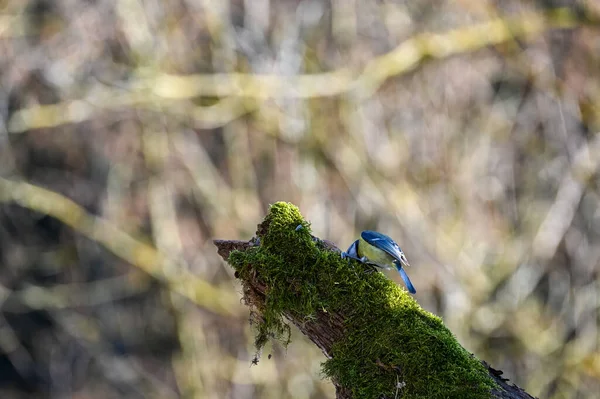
column 134, row 132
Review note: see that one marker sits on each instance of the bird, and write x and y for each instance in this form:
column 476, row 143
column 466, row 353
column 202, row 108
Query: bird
column 377, row 249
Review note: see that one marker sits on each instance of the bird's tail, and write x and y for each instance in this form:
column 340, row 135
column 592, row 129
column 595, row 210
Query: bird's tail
column 411, row 288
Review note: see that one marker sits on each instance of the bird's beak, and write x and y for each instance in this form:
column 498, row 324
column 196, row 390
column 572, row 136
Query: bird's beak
column 404, row 261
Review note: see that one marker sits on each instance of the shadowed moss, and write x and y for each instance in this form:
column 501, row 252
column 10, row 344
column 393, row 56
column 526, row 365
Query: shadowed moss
column 390, row 346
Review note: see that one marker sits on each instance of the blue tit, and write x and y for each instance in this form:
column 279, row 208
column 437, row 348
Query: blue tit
column 379, row 250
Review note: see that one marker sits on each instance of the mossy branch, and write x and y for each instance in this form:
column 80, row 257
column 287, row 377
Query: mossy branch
column 378, row 341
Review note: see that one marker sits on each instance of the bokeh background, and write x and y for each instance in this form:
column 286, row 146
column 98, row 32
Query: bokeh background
column 133, row 132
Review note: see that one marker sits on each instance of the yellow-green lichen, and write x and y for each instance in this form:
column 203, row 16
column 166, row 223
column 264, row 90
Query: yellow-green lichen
column 391, row 347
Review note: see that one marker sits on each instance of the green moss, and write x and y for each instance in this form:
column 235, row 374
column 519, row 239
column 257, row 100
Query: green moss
column 389, row 340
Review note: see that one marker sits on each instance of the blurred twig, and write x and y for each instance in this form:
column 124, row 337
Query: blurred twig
column 106, row 99
column 74, row 295
column 139, row 254
column 496, row 31
column 570, row 192
column 120, row 370
column 163, row 217
column 160, row 91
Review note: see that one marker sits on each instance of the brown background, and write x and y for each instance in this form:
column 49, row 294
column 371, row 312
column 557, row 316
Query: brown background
column 482, row 162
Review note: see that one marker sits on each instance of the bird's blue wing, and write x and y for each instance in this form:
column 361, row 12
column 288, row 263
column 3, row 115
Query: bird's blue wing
column 384, row 243
column 352, row 252
column 411, row 288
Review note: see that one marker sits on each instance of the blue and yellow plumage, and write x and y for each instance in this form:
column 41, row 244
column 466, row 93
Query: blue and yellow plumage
column 380, row 250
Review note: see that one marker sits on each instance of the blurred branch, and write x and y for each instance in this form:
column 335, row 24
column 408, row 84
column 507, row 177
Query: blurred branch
column 137, row 253
column 569, row 194
column 12, row 348
column 111, row 99
column 163, row 218
column 160, row 92
column 62, row 296
column 401, row 60
column 472, row 38
column 86, row 332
